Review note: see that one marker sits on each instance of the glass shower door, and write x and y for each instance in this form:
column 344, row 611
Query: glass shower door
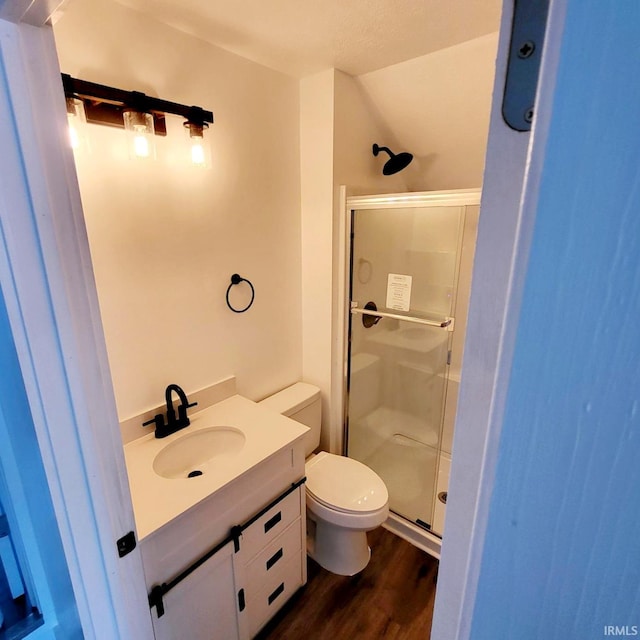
column 404, row 267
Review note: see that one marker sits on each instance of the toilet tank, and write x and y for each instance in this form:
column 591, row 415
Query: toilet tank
column 300, row 402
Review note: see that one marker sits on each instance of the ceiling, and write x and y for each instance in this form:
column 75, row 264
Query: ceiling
column 301, row 37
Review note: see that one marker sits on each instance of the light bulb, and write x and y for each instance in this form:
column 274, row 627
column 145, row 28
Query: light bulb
column 76, row 121
column 140, row 145
column 140, row 132
column 197, row 153
column 74, row 136
column 200, row 156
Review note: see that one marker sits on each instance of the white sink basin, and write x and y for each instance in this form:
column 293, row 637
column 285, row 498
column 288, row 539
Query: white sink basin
column 158, row 468
column 192, row 454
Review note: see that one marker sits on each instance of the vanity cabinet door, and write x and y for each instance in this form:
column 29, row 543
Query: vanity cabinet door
column 204, row 605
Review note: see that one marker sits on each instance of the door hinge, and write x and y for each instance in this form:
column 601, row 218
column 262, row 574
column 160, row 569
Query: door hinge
column 126, row 544
column 241, row 602
column 449, row 356
column 523, row 66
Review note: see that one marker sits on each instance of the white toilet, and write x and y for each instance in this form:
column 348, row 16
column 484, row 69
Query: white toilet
column 345, row 498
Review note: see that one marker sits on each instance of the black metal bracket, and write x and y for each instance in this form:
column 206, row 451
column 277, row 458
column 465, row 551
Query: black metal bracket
column 236, row 534
column 126, row 544
column 523, row 66
column 155, row 599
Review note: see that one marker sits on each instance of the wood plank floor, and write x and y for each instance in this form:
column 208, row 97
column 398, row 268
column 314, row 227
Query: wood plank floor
column 392, row 599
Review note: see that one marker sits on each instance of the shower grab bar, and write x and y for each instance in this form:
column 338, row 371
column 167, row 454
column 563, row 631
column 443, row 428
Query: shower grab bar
column 447, row 323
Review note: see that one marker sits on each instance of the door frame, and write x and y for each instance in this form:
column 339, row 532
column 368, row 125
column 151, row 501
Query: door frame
column 513, row 167
column 50, row 294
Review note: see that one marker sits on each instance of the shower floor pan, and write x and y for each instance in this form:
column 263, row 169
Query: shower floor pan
column 403, row 452
column 368, row 433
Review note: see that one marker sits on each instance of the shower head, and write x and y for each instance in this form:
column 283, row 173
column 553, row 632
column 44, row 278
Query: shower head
column 395, row 163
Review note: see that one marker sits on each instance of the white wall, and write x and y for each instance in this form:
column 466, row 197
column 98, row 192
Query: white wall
column 437, row 107
column 338, row 129
column 316, row 158
column 166, row 237
column 357, row 125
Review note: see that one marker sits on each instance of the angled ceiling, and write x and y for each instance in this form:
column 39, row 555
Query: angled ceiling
column 301, row 37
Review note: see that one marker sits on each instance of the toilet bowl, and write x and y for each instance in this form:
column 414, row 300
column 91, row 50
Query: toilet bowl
column 344, row 497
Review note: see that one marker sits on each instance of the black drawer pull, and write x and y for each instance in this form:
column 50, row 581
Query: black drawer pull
column 274, row 558
column 269, row 524
column 276, row 593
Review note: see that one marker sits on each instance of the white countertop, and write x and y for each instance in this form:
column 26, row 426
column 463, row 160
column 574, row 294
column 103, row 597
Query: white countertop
column 158, row 500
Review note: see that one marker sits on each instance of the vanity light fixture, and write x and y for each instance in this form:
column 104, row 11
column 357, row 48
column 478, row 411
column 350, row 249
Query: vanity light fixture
column 141, row 115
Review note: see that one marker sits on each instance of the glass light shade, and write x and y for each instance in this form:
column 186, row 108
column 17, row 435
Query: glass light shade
column 140, row 134
column 77, row 122
column 199, row 148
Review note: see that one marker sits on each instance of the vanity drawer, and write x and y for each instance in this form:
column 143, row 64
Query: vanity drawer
column 274, row 555
column 270, row 524
column 265, row 602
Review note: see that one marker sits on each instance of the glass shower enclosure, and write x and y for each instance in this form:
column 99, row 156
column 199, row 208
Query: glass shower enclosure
column 404, row 267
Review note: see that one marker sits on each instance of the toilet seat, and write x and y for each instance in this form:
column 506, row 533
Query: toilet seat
column 345, row 485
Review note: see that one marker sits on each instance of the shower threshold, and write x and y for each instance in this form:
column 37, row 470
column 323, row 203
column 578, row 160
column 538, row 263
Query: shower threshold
column 412, row 532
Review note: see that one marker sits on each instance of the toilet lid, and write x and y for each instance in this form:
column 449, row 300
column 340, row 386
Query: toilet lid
column 345, row 484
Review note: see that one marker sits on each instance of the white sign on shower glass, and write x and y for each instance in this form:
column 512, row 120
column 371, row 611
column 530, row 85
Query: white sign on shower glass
column 398, row 292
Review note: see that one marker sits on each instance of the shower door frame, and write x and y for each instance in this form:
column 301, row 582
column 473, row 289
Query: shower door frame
column 402, row 527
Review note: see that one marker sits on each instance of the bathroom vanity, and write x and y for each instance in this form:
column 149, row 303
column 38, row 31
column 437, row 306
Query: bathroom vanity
column 222, row 549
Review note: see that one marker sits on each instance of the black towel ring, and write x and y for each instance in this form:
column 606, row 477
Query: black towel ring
column 236, row 279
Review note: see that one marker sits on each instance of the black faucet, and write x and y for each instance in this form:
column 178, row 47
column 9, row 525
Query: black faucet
column 173, row 424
